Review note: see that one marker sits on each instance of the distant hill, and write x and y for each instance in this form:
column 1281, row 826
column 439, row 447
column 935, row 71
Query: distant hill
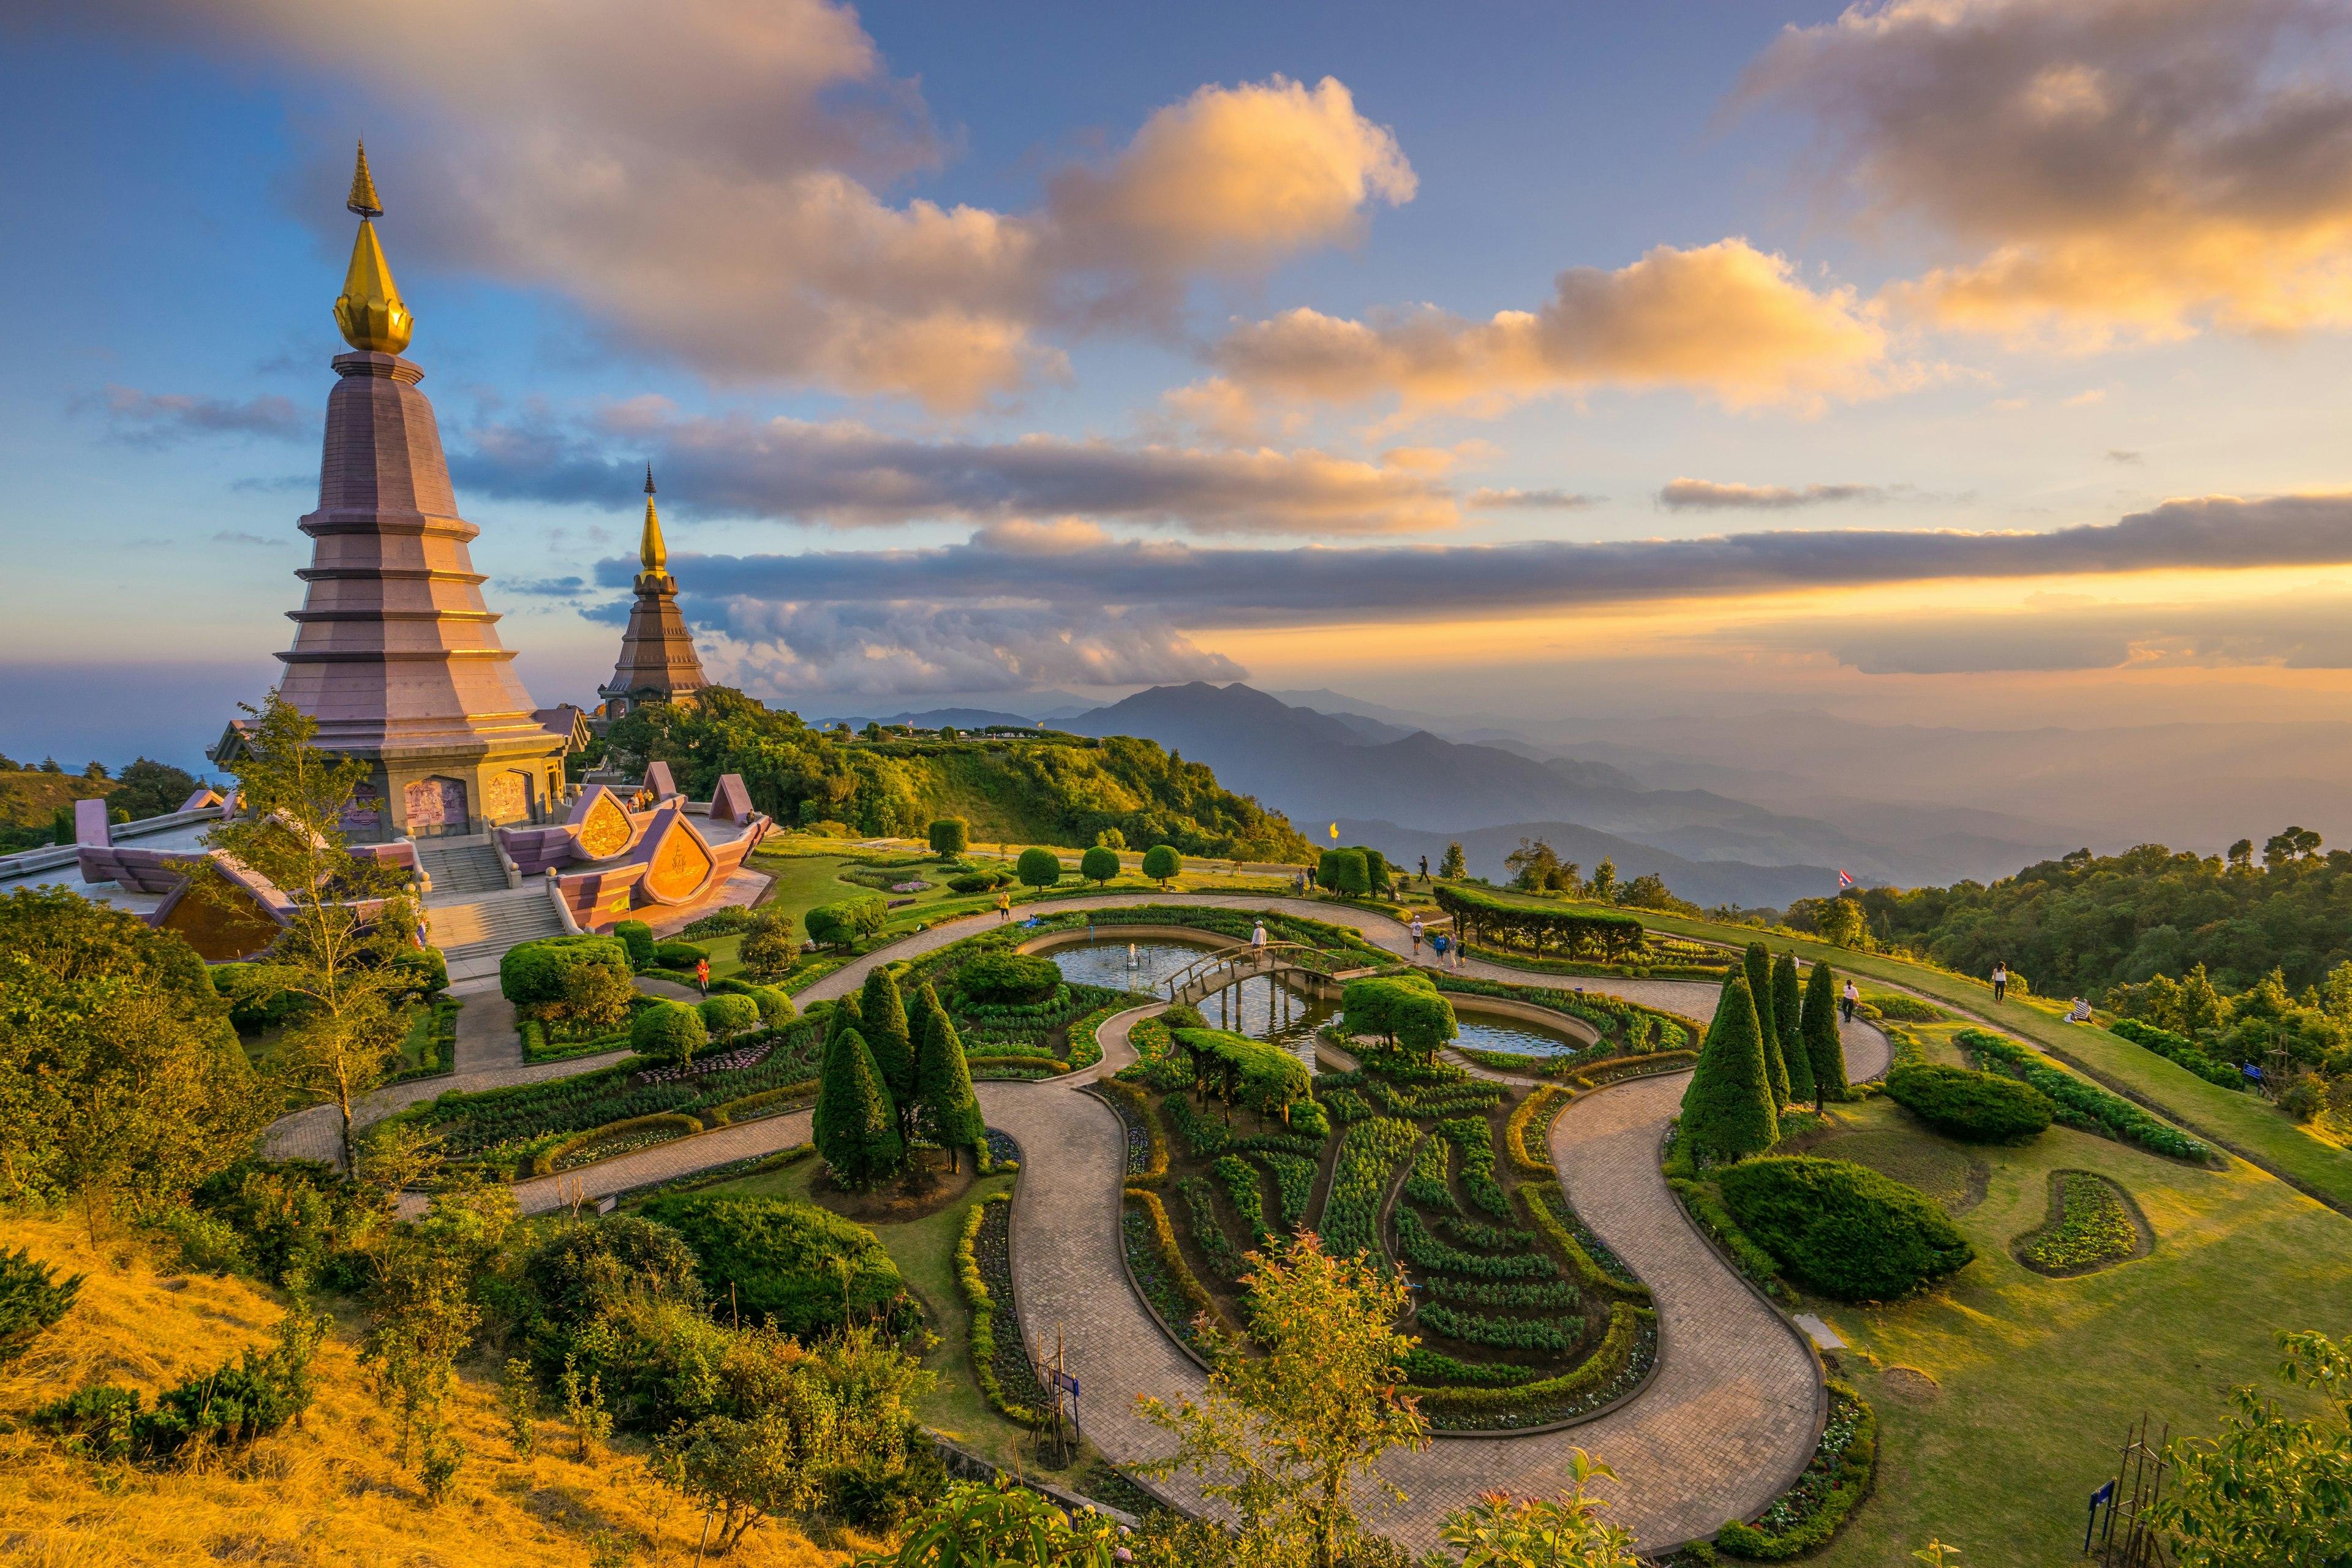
column 1706, row 882
column 960, row 717
column 31, row 799
column 1319, row 767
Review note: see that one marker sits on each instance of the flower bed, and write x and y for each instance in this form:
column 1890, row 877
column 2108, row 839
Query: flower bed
column 767, row 1102
column 2089, row 1227
column 2082, row 1105
column 1159, row 1271
column 1628, row 1351
column 1809, row 1513
column 1147, row 1146
column 985, row 1247
column 1595, row 1266
column 611, row 1142
column 1535, row 1113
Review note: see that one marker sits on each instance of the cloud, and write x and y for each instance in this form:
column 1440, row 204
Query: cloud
column 1725, row 320
column 2130, row 169
column 160, row 418
column 1706, row 495
column 2085, row 399
column 705, row 186
column 545, row 588
column 848, row 474
column 784, row 649
column 261, row 541
column 2123, row 454
column 1484, row 499
column 2300, row 631
column 1199, row 586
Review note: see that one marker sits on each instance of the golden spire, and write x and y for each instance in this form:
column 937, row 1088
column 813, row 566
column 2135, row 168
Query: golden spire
column 369, row 310
column 650, row 551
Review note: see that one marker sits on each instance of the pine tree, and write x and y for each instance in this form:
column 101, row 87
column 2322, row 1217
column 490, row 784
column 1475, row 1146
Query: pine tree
column 1823, row 1054
column 845, row 1018
column 946, row 1109
column 1759, row 960
column 1455, row 867
column 889, row 1040
column 919, row 1008
column 1727, row 1110
column 1788, row 1015
column 858, row 1136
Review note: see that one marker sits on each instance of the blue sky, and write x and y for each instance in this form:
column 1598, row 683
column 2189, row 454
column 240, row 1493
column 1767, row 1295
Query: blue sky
column 1228, row 279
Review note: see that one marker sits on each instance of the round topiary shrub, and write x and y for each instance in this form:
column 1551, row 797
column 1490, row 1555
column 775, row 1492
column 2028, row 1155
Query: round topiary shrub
column 1008, row 979
column 638, row 938
column 724, row 1015
column 787, row 1260
column 1038, row 867
column 533, row 972
column 1974, row 1107
column 678, row 954
column 669, row 1030
column 1099, row 864
column 1844, row 1229
column 1162, row 863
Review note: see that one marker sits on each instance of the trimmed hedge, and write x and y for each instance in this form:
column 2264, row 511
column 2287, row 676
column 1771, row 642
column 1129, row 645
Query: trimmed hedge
column 1008, row 979
column 2082, row 1105
column 1537, row 1111
column 1261, row 1076
column 672, row 1031
column 678, row 954
column 676, row 1123
column 1832, row 1483
column 1842, row 1228
column 1477, row 913
column 1625, row 1323
column 1581, row 1262
column 1974, row 1107
column 736, row 1111
column 531, row 973
column 2179, row 1049
column 638, row 938
column 983, row 1313
column 1712, row 1217
column 725, row 1015
column 780, row 1255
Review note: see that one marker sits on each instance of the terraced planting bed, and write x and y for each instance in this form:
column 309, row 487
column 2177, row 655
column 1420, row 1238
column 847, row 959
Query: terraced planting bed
column 1520, row 1325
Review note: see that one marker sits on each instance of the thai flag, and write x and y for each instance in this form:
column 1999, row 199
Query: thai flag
column 1844, row 881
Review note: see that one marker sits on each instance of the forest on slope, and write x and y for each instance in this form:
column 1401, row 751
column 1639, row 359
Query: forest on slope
column 1057, row 790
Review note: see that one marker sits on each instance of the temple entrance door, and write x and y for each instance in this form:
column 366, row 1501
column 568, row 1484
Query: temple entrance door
column 436, row 808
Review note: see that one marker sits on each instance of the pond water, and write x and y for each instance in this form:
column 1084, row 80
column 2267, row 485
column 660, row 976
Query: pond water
column 1483, row 1032
column 1260, row 1006
column 1138, row 966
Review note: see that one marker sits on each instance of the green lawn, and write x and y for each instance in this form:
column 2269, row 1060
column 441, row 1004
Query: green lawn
column 2035, row 1379
column 2242, row 1122
column 924, row 1251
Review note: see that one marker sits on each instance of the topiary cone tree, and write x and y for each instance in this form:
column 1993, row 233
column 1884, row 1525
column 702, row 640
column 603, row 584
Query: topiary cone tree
column 1758, row 962
column 883, row 1014
column 919, row 1008
column 946, row 1109
column 1727, row 1110
column 857, row 1125
column 1824, row 1053
column 1162, row 863
column 843, row 1019
column 1788, row 1017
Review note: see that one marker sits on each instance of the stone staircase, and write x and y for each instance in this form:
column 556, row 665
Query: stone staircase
column 461, row 866
column 482, row 926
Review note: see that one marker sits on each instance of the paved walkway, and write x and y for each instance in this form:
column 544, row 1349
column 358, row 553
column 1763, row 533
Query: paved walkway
column 487, row 1038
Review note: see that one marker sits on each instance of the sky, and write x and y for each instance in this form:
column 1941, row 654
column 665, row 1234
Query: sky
column 1977, row 363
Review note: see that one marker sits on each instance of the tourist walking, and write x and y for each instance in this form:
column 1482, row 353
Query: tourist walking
column 1424, row 869
column 1849, row 999
column 702, row 975
column 1257, row 944
column 1003, row 907
column 2000, row 980
column 1416, row 938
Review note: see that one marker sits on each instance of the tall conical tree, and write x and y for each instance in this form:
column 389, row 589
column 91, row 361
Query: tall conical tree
column 1823, row 1054
column 858, row 1136
column 919, row 1008
column 844, row 1020
column 1788, row 1017
column 1727, row 1110
column 887, row 1036
column 1759, row 962
column 946, row 1109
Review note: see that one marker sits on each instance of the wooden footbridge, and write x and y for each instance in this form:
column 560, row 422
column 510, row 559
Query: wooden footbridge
column 1311, row 969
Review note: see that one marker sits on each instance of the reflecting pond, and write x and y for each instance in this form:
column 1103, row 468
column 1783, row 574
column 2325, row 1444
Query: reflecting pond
column 1126, row 965
column 1485, row 1032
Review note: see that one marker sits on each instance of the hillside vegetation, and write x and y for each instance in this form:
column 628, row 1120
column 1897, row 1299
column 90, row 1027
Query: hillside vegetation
column 1065, row 790
column 31, row 800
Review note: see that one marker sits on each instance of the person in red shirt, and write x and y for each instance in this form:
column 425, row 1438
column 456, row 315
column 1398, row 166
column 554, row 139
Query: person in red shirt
column 702, row 975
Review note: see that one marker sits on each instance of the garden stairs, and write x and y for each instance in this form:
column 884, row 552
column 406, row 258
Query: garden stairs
column 473, row 930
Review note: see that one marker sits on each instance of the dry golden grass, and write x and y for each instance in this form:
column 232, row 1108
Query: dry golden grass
column 326, row 1494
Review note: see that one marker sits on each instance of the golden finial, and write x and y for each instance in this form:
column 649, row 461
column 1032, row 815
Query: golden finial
column 363, row 202
column 651, row 554
column 369, row 310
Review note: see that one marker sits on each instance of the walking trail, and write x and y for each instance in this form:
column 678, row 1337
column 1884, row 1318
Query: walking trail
column 1726, row 1424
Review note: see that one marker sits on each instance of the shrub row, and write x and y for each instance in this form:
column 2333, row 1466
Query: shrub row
column 2083, row 1105
column 1424, row 1366
column 1534, row 1114
column 1605, row 935
column 1476, row 1141
column 1638, row 1028
column 1369, row 1151
column 1492, row 1237
column 1171, row 1259
column 1626, row 1323
column 1346, row 1104
column 1295, row 1178
column 1426, row 1184
column 1555, row 1336
column 752, row 1106
column 1155, row 1169
column 1974, row 1107
column 2179, row 1049
column 1208, row 1230
column 1203, row 1136
column 1423, row 1250
column 1557, row 1294
column 1593, row 1264
column 1708, row 1213
column 983, row 1312
column 1240, row 1178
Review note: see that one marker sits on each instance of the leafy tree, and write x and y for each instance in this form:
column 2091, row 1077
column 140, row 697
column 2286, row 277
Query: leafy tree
column 948, row 1113
column 351, row 917
column 1000, row 1523
column 120, row 1073
column 1757, row 961
column 767, row 950
column 153, row 789
column 857, row 1127
column 2270, row 1490
column 595, row 1000
column 1843, row 924
column 1283, row 1438
column 1788, row 1023
column 1162, row 863
column 1111, row 838
column 1603, row 886
column 1728, row 1110
column 727, row 1015
column 421, row 1313
column 1456, row 866
column 95, row 771
column 1566, row 1531
column 1099, row 865
column 1038, row 867
column 951, row 837
column 1823, row 1052
column 841, row 924
column 668, row 1031
column 890, row 1042
column 1344, row 872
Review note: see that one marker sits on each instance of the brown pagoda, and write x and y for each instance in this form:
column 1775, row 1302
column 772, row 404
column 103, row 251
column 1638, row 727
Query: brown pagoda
column 395, row 654
column 658, row 662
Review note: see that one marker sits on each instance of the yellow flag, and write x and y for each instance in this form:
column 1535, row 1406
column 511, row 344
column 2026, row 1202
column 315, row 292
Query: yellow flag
column 1335, row 830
